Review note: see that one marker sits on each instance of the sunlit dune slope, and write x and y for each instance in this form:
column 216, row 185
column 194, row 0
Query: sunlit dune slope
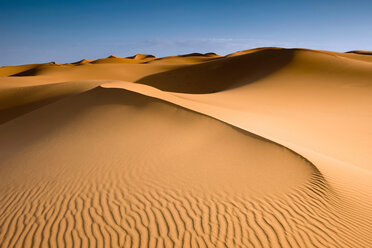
column 324, row 96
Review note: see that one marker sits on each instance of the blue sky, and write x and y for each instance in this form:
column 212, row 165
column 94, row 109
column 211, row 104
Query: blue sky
column 66, row 31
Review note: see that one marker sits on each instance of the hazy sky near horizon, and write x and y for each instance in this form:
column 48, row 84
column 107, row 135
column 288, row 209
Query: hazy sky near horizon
column 67, row 31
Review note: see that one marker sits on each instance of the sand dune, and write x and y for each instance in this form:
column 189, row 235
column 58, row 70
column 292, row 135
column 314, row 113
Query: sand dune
column 276, row 154
column 361, row 52
column 12, row 70
column 220, row 74
column 154, row 179
column 142, row 56
column 305, row 87
column 191, row 58
column 83, row 61
column 139, row 58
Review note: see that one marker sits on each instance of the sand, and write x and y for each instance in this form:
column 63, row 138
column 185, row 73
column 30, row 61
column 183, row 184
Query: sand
column 268, row 147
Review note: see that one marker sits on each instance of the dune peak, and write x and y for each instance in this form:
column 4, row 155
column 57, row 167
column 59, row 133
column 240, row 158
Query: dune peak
column 114, row 57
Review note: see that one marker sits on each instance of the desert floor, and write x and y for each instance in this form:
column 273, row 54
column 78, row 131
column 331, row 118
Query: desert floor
column 267, row 147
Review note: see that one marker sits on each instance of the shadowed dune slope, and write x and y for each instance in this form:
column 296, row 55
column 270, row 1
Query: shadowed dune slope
column 6, row 71
column 16, row 101
column 251, row 66
column 113, row 168
column 42, row 69
column 222, row 73
column 361, row 52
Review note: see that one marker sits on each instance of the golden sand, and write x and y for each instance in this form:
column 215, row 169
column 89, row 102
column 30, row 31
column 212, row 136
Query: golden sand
column 268, row 147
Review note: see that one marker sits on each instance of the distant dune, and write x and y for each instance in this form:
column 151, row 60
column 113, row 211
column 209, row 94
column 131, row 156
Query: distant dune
column 83, row 61
column 361, row 52
column 268, row 147
column 142, row 56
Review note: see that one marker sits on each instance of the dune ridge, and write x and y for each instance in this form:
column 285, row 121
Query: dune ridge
column 139, row 205
column 356, row 196
column 252, row 149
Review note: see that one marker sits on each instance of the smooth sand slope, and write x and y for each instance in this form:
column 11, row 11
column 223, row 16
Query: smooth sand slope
column 90, row 156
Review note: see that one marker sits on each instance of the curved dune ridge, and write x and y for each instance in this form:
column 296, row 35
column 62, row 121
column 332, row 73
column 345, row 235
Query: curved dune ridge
column 153, row 185
column 253, row 149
